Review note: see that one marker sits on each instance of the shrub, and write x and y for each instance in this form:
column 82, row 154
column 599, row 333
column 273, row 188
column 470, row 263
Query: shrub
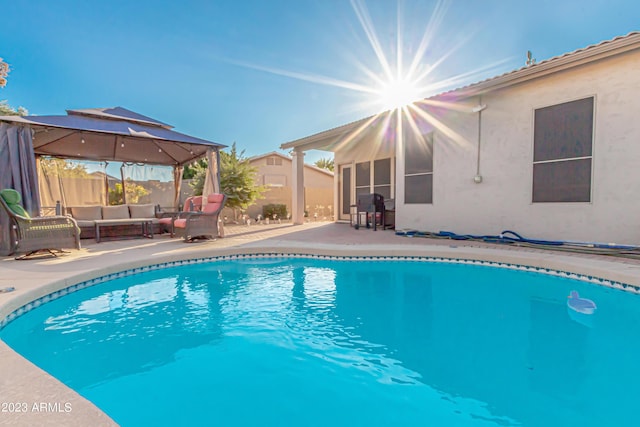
column 278, row 209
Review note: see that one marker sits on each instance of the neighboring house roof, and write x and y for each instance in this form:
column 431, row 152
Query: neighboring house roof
column 592, row 53
column 102, row 175
column 284, row 156
column 269, row 154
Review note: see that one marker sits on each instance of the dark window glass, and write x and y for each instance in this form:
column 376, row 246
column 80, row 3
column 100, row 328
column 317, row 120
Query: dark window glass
column 362, row 190
column 565, row 181
column 564, row 131
column 562, row 134
column 418, row 189
column 418, row 154
column 346, row 190
column 385, row 190
column 363, row 177
column 382, row 172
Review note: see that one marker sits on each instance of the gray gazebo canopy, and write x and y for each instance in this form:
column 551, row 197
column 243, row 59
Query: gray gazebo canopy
column 115, row 134
column 112, row 134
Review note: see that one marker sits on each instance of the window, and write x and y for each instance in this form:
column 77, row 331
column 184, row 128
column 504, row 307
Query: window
column 381, row 177
column 274, row 161
column 275, row 180
column 562, row 152
column 363, row 178
column 418, row 169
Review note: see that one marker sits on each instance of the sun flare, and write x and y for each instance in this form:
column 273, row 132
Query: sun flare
column 398, row 93
column 400, row 76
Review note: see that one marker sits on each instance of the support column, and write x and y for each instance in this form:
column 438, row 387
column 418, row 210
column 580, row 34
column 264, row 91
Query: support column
column 297, row 194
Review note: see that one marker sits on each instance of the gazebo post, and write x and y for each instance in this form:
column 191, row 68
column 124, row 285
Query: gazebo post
column 177, row 185
column 106, row 184
column 124, row 193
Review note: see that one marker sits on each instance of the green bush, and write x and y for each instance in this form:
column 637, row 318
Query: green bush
column 269, row 210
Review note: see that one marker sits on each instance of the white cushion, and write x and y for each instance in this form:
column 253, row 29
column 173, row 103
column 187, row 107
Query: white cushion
column 115, row 212
column 142, row 211
column 88, row 213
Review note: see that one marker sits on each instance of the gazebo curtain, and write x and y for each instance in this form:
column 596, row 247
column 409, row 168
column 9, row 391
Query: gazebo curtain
column 212, row 178
column 18, row 165
column 83, row 182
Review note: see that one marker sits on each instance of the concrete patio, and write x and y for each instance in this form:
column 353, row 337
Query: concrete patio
column 22, row 382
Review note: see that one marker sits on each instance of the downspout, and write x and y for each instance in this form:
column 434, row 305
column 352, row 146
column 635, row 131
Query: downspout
column 478, row 109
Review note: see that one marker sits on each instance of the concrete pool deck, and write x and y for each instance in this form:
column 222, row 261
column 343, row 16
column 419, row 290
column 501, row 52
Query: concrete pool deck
column 46, row 401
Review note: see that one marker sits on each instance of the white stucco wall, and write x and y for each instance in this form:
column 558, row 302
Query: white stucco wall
column 504, row 199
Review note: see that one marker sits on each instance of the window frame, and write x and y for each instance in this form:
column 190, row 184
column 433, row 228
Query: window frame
column 430, row 136
column 386, row 185
column 370, row 187
column 560, row 160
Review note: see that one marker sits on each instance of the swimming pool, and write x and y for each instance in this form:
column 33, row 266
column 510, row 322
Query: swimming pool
column 329, row 342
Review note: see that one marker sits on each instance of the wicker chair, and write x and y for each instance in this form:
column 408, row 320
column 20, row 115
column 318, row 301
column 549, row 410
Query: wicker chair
column 191, row 204
column 21, row 234
column 204, row 224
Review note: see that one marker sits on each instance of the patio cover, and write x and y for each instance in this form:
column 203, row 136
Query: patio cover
column 114, row 134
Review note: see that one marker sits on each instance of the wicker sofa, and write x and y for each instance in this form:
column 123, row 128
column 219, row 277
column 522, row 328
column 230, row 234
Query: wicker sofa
column 96, row 222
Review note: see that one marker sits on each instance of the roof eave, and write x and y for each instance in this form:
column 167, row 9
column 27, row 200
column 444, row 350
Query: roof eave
column 319, row 141
column 554, row 65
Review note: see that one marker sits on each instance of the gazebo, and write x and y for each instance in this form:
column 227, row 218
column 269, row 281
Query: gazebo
column 99, row 134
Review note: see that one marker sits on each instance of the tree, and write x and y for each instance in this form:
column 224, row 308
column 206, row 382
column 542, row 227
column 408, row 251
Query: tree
column 52, row 166
column 4, row 70
column 325, row 164
column 7, row 110
column 197, row 173
column 134, row 192
column 192, row 170
column 237, row 179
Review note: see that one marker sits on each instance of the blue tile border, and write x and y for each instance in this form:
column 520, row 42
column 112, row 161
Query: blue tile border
column 85, row 284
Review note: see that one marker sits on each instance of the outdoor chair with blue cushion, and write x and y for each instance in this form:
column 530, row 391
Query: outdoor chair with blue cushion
column 22, row 234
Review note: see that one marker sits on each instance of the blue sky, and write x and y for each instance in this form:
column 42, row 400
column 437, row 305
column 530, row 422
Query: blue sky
column 252, row 71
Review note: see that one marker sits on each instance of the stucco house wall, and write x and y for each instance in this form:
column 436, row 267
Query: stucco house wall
column 504, row 198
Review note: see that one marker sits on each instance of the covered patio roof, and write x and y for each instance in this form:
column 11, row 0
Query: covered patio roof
column 113, row 134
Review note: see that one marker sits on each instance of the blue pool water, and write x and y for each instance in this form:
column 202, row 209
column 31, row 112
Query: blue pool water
column 341, row 343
